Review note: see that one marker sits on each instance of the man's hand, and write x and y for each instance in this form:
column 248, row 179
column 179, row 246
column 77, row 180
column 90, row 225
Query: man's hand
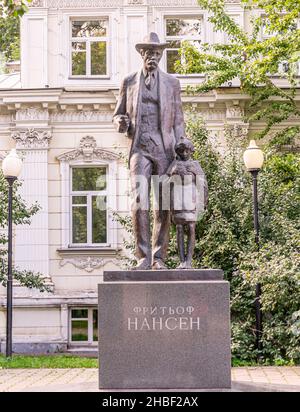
column 122, row 121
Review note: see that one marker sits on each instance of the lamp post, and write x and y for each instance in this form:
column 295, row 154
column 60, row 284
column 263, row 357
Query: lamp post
column 253, row 159
column 11, row 167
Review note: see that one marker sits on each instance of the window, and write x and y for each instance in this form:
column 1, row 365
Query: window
column 88, row 205
column 89, row 47
column 266, row 34
column 88, row 197
column 178, row 29
column 84, row 325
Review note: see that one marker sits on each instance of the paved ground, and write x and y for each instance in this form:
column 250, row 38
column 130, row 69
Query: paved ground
column 258, row 379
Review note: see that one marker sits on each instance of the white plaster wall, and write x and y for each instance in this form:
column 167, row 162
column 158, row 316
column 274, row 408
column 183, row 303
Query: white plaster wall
column 34, row 49
column 47, row 31
column 31, row 241
column 30, row 323
column 69, row 277
column 56, row 59
column 2, row 322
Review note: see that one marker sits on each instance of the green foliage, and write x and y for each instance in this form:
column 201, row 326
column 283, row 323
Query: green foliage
column 50, row 361
column 236, row 362
column 21, row 215
column 10, row 37
column 225, row 239
column 253, row 61
column 226, row 226
column 10, row 13
column 13, row 7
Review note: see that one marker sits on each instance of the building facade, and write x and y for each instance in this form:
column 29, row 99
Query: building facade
column 58, row 114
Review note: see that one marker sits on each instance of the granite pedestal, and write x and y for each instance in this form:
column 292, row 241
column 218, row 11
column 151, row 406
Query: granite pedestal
column 164, row 330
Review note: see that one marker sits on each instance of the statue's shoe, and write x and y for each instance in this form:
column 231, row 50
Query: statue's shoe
column 143, row 264
column 158, row 264
column 182, row 265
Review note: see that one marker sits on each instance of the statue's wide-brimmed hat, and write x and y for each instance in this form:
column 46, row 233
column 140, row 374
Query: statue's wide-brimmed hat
column 150, row 41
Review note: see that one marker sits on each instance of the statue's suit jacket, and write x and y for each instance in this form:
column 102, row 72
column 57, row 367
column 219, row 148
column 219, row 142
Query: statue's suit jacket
column 170, row 108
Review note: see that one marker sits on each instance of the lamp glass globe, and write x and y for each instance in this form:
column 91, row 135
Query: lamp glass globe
column 253, row 157
column 12, row 164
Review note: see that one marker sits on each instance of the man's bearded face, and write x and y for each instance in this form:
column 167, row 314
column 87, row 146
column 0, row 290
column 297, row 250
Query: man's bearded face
column 151, row 58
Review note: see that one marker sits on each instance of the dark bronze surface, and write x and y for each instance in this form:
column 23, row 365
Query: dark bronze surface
column 149, row 111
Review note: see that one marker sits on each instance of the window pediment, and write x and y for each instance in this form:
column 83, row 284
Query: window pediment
column 88, row 152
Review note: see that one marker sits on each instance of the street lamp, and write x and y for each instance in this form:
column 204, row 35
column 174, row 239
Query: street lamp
column 254, row 159
column 11, row 167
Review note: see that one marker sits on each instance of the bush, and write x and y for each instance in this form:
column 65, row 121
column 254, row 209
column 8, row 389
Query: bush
column 225, row 239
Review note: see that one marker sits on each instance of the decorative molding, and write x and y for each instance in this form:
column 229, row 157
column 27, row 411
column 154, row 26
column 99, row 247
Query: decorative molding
column 88, row 152
column 212, row 114
column 32, row 138
column 234, row 112
column 134, row 2
column 89, row 263
column 172, row 3
column 81, row 116
column 36, row 3
column 237, row 130
column 32, row 113
column 82, row 4
column 6, row 118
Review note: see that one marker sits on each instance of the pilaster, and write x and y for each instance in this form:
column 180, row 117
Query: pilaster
column 32, row 241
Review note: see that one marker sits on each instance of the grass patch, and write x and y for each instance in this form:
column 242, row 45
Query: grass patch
column 277, row 362
column 47, row 361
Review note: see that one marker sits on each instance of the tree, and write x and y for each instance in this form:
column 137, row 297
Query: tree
column 10, row 37
column 21, row 215
column 253, row 61
column 13, row 7
column 225, row 239
column 10, row 13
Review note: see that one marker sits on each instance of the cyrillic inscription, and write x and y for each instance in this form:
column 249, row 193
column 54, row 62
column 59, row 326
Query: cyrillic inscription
column 163, row 317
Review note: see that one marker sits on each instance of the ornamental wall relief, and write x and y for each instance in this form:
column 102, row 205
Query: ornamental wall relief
column 237, row 130
column 88, row 152
column 32, row 113
column 89, row 263
column 212, row 114
column 6, row 118
column 234, row 112
column 81, row 116
column 37, row 3
column 81, row 4
column 71, row 4
column 32, row 138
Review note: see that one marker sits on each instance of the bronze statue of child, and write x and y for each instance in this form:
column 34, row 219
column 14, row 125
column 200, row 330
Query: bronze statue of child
column 188, row 197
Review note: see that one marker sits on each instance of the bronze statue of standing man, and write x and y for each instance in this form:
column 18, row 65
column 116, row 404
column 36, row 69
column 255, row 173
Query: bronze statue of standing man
column 149, row 110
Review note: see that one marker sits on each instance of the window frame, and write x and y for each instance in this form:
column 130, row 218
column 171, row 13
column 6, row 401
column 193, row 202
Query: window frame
column 90, row 341
column 89, row 194
column 266, row 36
column 88, row 42
column 75, row 157
column 200, row 38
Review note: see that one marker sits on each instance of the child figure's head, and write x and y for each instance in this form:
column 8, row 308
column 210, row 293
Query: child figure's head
column 184, row 148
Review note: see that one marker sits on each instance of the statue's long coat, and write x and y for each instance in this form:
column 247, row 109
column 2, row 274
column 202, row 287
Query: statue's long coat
column 170, row 106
